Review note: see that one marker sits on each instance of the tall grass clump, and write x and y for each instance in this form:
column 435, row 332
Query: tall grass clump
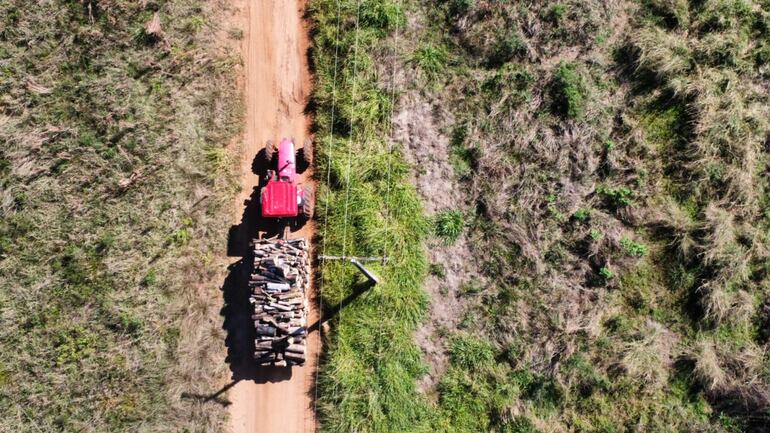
column 115, row 196
column 431, row 60
column 449, row 225
column 569, row 91
column 370, row 363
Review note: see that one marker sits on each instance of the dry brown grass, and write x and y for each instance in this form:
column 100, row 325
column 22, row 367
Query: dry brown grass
column 623, row 234
column 648, row 359
column 112, row 214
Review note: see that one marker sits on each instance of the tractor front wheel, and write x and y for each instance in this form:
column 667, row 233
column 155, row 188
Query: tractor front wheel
column 307, row 151
column 269, row 150
column 308, row 202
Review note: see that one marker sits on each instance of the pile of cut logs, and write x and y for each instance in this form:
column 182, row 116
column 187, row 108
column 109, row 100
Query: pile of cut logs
column 278, row 293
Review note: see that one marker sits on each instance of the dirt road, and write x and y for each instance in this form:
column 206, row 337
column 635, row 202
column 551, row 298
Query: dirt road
column 276, row 87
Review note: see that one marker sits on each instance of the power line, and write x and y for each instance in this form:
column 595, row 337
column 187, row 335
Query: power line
column 350, row 138
column 326, row 211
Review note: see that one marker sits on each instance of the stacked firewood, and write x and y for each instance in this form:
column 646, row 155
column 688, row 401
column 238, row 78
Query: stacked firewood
column 278, row 286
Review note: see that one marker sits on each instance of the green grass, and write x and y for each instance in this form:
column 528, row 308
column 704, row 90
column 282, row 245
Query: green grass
column 633, row 248
column 109, row 300
column 431, row 60
column 578, row 325
column 569, row 90
column 449, row 225
column 616, row 198
column 370, row 364
column 463, row 157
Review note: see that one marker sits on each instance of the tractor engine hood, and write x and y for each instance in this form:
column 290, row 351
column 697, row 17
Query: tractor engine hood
column 279, row 200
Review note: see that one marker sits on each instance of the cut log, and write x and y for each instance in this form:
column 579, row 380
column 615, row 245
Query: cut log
column 266, row 330
column 295, row 357
column 278, row 285
column 296, row 348
column 275, row 286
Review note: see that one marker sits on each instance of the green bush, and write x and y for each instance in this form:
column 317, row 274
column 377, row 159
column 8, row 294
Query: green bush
column 519, row 424
column 381, row 15
column 74, row 345
column 437, row 270
column 471, row 287
column 463, row 158
column 606, row 273
column 449, row 225
column 431, row 59
column 506, row 48
column 569, row 91
column 459, row 7
column 557, row 12
column 633, row 248
column 616, row 197
column 511, row 82
column 582, row 214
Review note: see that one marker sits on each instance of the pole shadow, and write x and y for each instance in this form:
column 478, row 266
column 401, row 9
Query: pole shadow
column 326, row 316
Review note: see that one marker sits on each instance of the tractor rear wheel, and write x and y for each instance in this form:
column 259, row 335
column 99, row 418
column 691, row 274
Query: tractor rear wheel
column 308, row 202
column 307, row 151
column 269, row 150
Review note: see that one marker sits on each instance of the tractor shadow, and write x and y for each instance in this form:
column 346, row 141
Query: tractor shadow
column 237, row 309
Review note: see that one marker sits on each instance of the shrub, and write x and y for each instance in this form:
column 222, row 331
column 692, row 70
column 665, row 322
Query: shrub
column 673, row 12
column 606, row 273
column 437, row 270
column 569, row 91
column 513, row 83
column 449, row 225
column 545, row 392
column 616, row 197
column 506, row 47
column 557, row 12
column 463, row 158
column 74, row 345
column 584, row 377
column 431, row 59
column 382, row 15
column 459, row 7
column 581, row 214
column 519, row 424
column 633, row 248
column 471, row 287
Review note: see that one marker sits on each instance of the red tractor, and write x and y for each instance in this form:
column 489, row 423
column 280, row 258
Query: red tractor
column 282, row 197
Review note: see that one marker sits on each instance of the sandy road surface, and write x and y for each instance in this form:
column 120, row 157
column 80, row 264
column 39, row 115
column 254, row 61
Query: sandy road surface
column 277, row 85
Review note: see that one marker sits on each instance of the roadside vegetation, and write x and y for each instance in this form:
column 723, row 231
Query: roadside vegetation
column 115, row 197
column 614, row 160
column 366, row 207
